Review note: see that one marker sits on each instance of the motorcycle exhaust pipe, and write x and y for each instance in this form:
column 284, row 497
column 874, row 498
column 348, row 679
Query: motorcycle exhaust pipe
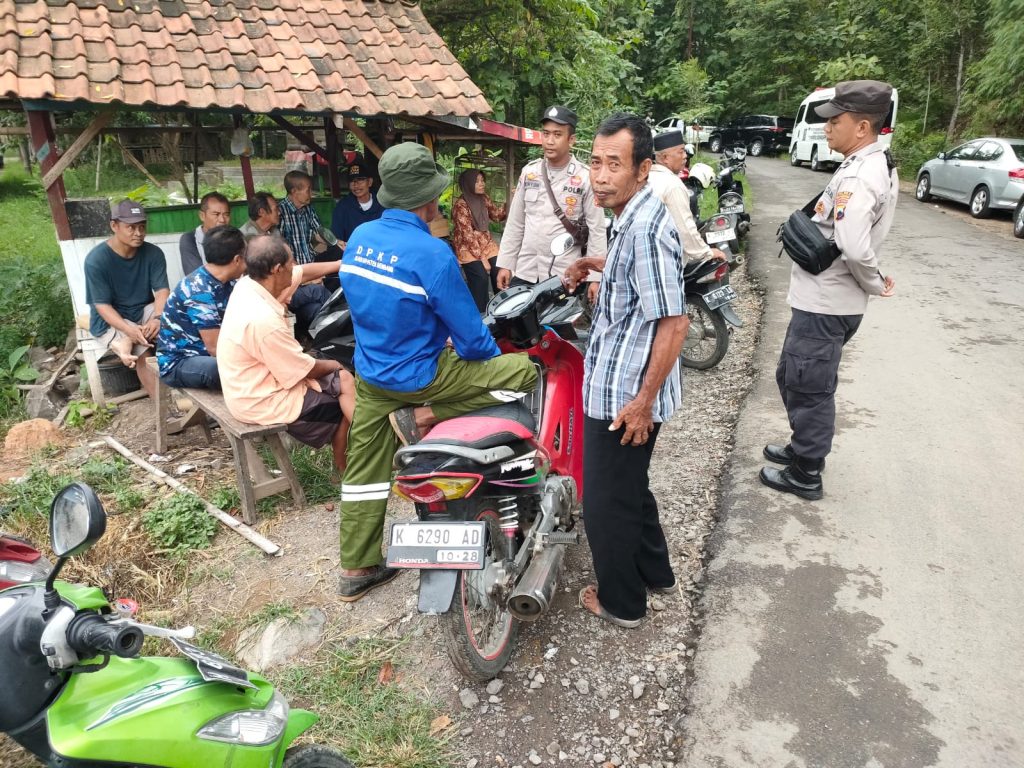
column 533, row 593
column 738, row 260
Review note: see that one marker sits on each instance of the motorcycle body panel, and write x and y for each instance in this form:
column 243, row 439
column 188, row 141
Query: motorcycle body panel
column 559, row 432
column 148, row 710
column 82, row 597
column 22, row 667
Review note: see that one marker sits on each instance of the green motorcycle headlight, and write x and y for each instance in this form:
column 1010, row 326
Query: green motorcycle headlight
column 254, row 727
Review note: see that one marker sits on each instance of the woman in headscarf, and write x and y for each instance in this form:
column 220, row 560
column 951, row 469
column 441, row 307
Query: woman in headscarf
column 474, row 246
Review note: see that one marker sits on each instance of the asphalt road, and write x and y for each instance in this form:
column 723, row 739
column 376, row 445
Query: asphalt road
column 882, row 625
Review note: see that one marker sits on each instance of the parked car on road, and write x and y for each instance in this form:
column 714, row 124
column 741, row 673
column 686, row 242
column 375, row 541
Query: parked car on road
column 696, row 131
column 985, row 173
column 809, row 143
column 758, row 133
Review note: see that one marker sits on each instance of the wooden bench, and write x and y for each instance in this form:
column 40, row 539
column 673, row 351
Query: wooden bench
column 255, row 480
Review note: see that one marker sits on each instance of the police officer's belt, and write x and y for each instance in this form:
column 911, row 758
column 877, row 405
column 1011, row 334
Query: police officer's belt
column 803, row 242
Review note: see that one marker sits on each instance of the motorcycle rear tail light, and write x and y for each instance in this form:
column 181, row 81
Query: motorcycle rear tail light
column 886, row 131
column 437, row 489
column 1016, row 173
column 720, row 221
column 722, row 271
column 16, row 572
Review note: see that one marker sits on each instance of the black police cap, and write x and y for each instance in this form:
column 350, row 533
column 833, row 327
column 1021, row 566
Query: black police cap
column 867, row 97
column 560, row 114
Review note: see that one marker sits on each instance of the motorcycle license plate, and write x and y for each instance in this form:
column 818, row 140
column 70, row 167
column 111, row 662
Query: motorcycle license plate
column 721, row 236
column 716, row 298
column 456, row 546
column 212, row 667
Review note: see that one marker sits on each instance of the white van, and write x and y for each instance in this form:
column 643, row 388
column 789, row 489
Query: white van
column 809, row 144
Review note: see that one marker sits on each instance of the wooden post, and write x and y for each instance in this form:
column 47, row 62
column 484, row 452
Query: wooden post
column 99, row 158
column 195, row 157
column 243, row 160
column 331, row 140
column 350, row 126
column 44, row 145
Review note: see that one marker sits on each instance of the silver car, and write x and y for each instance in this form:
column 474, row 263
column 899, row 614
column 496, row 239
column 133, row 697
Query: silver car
column 985, row 173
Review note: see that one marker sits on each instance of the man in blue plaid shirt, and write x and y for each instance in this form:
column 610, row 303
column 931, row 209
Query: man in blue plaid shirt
column 299, row 224
column 631, row 384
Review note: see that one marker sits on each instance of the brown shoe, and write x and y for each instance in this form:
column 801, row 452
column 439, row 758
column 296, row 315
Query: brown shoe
column 351, row 588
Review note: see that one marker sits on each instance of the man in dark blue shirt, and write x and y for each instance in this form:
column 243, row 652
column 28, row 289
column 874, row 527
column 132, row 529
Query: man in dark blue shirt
column 358, row 207
column 408, row 299
column 186, row 348
column 126, row 287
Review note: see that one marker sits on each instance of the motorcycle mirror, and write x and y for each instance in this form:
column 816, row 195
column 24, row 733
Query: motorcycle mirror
column 77, row 520
column 327, row 236
column 562, row 244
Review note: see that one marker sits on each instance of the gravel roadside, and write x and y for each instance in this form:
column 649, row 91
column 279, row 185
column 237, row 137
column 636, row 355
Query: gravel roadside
column 579, row 691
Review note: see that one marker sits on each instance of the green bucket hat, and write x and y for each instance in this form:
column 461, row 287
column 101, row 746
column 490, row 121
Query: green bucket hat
column 409, row 177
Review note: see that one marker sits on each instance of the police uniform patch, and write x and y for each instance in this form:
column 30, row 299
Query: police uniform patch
column 576, row 181
column 570, row 200
column 843, row 198
column 531, row 176
column 820, row 208
column 570, row 210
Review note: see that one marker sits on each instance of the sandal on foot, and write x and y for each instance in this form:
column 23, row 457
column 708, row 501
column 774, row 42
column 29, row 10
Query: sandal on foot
column 601, row 613
column 351, row 588
column 403, row 421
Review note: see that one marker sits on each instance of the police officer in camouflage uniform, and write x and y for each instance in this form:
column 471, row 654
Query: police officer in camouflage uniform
column 855, row 210
column 525, row 253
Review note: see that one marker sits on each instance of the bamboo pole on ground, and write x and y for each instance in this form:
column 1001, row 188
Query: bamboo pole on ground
column 240, row 528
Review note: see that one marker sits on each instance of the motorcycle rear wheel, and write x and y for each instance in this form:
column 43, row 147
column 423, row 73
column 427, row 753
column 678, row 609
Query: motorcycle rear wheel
column 707, row 340
column 479, row 632
column 314, row 756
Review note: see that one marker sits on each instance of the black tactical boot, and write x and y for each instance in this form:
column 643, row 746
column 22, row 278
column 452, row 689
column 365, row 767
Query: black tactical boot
column 780, row 454
column 801, row 478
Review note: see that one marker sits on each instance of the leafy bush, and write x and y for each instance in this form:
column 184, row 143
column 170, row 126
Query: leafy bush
column 179, row 524
column 911, row 148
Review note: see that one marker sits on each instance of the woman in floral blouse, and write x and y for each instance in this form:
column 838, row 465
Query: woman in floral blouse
column 474, row 246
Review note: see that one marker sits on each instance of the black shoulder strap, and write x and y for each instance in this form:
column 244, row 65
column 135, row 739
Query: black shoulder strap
column 570, row 227
column 809, row 208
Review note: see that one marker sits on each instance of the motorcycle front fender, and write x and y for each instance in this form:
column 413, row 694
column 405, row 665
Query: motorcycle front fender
column 299, row 721
column 436, row 591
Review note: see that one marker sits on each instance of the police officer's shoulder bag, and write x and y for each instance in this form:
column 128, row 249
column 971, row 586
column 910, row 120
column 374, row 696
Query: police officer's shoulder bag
column 803, row 242
column 579, row 230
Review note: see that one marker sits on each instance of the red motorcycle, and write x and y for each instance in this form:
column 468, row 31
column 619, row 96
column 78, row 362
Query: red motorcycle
column 20, row 562
column 498, row 491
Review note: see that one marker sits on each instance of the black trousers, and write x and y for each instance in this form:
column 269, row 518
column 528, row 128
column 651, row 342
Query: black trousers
column 807, row 375
column 480, row 281
column 621, row 520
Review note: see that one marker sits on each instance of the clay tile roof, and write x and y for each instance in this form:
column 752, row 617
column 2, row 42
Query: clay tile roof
column 355, row 56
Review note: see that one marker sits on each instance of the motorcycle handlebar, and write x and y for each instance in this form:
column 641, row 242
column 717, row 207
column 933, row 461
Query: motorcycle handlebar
column 90, row 634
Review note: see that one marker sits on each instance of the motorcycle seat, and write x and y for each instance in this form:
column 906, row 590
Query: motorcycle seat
column 484, row 428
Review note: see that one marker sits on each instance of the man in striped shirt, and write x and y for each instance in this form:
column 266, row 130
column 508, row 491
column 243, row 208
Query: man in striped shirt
column 631, row 383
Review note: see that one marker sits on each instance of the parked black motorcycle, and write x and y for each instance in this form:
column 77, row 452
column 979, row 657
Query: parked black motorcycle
column 708, row 295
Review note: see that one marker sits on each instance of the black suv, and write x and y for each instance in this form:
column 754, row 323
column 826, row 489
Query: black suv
column 758, row 133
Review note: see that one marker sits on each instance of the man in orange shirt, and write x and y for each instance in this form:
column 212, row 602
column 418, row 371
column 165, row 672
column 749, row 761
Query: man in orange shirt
column 265, row 375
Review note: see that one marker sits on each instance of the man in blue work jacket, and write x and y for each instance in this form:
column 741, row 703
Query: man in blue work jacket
column 408, row 298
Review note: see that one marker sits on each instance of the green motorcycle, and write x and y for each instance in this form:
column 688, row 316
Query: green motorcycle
column 77, row 694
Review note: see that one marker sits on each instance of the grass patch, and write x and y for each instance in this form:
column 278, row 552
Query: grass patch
column 315, row 469
column 271, row 612
column 375, row 724
column 179, row 524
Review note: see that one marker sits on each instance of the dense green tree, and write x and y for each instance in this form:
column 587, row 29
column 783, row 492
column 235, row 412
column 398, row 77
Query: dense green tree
column 997, row 78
